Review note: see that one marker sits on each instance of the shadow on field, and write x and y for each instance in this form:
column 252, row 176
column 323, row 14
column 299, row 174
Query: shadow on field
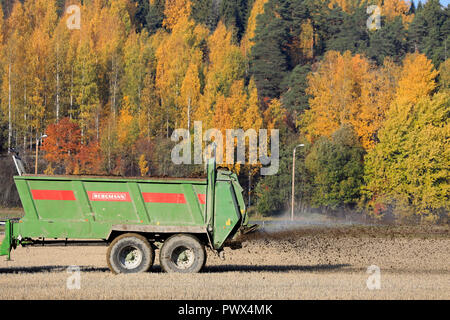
column 206, row 269
column 262, row 268
column 272, row 268
column 42, row 269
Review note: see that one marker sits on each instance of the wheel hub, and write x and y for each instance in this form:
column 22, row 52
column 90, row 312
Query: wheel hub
column 183, row 257
column 130, row 257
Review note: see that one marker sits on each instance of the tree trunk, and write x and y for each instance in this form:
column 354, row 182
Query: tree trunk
column 97, row 124
column 25, row 126
column 189, row 115
column 115, row 73
column 57, row 83
column 9, row 109
column 71, row 96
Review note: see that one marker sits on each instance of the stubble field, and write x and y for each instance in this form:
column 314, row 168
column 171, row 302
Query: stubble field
column 305, row 263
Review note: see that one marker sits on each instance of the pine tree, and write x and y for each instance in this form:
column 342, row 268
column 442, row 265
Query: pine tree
column 326, row 22
column 203, row 13
column 389, row 41
column 336, row 164
column 391, row 9
column 419, row 6
column 234, row 14
column 295, row 98
column 412, row 8
column 140, row 16
column 352, row 33
column 429, row 31
column 155, row 15
column 247, row 41
column 269, row 62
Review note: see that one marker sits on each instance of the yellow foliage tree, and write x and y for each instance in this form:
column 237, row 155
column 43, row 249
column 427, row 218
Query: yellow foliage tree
column 237, row 111
column 347, row 89
column 333, row 89
column 417, row 79
column 377, row 94
column 302, row 47
column 252, row 117
column 227, row 64
column 389, row 8
column 247, row 42
column 275, row 114
column 152, row 115
column 307, row 40
column 190, row 93
column 396, row 8
column 143, row 165
column 127, row 127
column 175, row 53
column 174, row 11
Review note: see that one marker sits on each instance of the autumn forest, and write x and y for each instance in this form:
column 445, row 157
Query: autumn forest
column 370, row 102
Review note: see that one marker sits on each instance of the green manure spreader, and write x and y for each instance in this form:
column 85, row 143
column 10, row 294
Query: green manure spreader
column 133, row 217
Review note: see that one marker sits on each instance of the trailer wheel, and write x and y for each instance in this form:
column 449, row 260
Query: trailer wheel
column 182, row 253
column 206, row 257
column 130, row 253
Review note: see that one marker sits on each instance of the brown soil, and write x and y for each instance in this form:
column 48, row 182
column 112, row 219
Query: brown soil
column 306, row 263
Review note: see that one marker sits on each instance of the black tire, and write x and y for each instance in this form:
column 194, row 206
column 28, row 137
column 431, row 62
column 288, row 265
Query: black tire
column 130, row 253
column 182, row 253
column 206, row 257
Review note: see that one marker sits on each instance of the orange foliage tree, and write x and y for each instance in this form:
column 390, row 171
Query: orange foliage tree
column 88, row 159
column 63, row 149
column 62, row 144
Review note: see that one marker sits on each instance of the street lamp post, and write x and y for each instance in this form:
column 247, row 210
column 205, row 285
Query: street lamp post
column 293, row 181
column 37, row 152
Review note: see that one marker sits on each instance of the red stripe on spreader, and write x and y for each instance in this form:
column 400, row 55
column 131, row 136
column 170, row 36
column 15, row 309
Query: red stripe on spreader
column 202, row 198
column 109, row 196
column 66, row 195
column 163, row 197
